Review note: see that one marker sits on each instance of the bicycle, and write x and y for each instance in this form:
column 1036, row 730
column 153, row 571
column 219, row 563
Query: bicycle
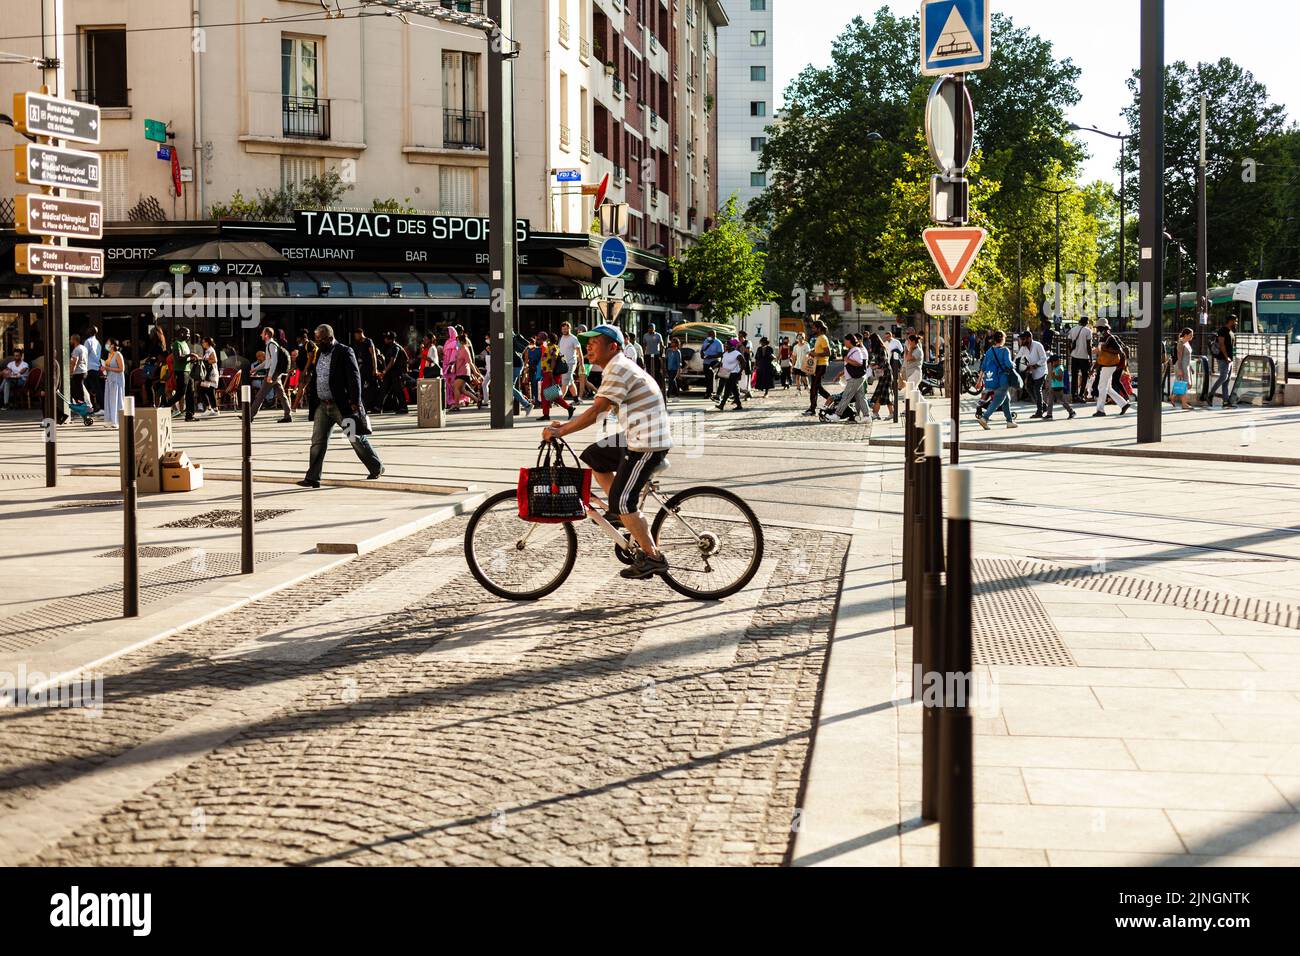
column 711, row 538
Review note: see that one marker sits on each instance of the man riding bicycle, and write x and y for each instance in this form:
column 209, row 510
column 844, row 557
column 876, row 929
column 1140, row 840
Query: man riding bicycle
column 624, row 462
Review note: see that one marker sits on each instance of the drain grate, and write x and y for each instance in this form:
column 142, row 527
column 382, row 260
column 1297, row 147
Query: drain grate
column 16, row 476
column 147, row 551
column 1010, row 625
column 223, row 518
column 109, row 503
column 1255, row 610
column 101, row 605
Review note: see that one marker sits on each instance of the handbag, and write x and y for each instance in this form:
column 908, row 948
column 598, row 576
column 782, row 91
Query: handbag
column 560, row 367
column 552, row 392
column 362, row 422
column 1180, row 388
column 553, row 492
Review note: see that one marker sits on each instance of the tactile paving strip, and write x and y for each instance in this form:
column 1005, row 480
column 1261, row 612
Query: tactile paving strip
column 1256, row 610
column 147, row 551
column 38, row 625
column 1009, row 624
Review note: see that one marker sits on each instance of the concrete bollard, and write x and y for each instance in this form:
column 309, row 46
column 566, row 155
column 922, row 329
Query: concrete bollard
column 956, row 732
column 130, row 541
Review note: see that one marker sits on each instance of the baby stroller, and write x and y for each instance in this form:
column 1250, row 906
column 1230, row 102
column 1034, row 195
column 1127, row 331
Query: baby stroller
column 81, row 409
column 827, row 412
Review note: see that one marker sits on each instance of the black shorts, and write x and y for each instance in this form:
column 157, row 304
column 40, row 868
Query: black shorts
column 632, row 470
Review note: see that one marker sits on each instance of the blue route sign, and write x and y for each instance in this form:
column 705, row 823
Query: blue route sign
column 613, row 257
column 956, row 36
column 568, row 175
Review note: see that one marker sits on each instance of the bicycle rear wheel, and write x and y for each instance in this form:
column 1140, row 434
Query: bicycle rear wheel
column 712, row 540
column 516, row 559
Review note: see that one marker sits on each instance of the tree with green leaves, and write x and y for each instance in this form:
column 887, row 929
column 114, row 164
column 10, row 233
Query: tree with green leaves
column 724, row 270
column 1249, row 188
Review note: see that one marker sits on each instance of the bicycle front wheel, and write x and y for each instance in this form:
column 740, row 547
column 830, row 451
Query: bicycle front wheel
column 516, row 559
column 712, row 540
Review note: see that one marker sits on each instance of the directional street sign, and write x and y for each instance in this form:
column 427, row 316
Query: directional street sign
column 949, row 104
column 155, row 130
column 41, row 215
column 951, row 302
column 34, row 260
column 41, row 115
column 956, row 36
column 953, row 252
column 613, row 256
column 51, row 166
column 612, row 288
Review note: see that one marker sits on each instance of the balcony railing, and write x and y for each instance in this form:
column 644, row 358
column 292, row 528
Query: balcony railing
column 565, row 33
column 566, row 137
column 117, row 99
column 463, row 6
column 463, row 129
column 306, row 117
column 584, row 50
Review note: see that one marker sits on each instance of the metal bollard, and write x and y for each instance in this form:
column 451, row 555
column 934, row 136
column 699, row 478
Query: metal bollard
column 130, row 557
column 956, row 733
column 916, row 519
column 931, row 614
column 246, row 482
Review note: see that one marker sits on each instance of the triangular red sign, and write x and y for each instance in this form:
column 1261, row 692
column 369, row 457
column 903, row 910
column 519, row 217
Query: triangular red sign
column 953, row 252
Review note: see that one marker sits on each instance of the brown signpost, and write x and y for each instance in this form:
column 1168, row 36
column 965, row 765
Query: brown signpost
column 53, row 166
column 37, row 260
column 39, row 114
column 39, row 215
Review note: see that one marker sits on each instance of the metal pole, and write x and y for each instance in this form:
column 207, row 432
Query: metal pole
column 1058, row 253
column 501, row 201
column 956, row 752
column 954, row 377
column 909, row 421
column 1202, row 229
column 931, row 615
column 55, row 325
column 130, row 558
column 246, row 482
column 1123, row 261
column 1151, row 216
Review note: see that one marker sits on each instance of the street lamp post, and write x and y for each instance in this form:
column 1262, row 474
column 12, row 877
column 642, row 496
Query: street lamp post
column 1123, row 206
column 1178, row 281
column 1056, row 194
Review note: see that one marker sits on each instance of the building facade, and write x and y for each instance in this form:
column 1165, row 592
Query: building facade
column 747, row 102
column 258, row 95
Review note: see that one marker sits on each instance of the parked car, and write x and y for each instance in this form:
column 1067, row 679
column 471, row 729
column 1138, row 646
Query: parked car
column 692, row 336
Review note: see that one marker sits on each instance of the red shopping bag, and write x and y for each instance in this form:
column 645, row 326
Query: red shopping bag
column 552, row 492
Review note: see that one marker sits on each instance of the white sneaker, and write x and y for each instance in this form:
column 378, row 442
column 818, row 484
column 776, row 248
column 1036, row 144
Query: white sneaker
column 1012, row 425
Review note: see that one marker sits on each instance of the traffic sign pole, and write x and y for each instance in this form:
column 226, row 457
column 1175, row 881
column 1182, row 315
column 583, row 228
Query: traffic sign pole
column 954, row 331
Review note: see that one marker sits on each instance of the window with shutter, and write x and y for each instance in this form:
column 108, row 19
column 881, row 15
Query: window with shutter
column 295, row 169
column 113, row 181
column 456, row 190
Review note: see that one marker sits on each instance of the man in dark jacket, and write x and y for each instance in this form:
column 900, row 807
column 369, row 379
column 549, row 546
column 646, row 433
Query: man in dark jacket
column 368, row 361
column 334, row 398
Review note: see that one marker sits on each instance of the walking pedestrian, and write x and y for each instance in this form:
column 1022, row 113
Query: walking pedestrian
column 1034, row 355
column 784, row 355
column 94, row 367
column 77, row 368
column 276, row 365
column 765, row 366
column 711, row 351
column 652, row 347
column 673, row 366
column 999, row 376
column 1058, row 387
column 819, row 358
column 449, row 349
column 207, row 387
column 182, row 384
column 854, row 375
column 1111, row 355
column 1180, row 371
column 799, row 359
column 571, row 351
column 551, row 389
column 1223, row 349
column 880, row 361
column 334, row 398
column 913, row 361
column 114, row 368
column 368, row 362
column 1080, row 339
column 393, row 376
column 533, row 359
column 731, row 369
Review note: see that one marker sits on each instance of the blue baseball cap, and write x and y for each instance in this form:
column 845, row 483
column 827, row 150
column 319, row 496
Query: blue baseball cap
column 606, row 330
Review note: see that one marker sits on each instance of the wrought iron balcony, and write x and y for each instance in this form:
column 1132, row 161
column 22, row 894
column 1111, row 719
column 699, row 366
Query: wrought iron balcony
column 463, row 129
column 584, row 50
column 306, row 117
column 565, row 33
column 566, row 137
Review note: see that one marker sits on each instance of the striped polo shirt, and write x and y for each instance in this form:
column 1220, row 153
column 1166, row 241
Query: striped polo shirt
column 642, row 414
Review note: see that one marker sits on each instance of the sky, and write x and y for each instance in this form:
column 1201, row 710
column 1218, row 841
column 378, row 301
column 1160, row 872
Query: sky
column 1101, row 37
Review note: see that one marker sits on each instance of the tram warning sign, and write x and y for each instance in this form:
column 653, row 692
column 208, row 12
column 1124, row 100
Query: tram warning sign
column 41, row 215
column 40, row 115
column 37, row 260
column 956, row 36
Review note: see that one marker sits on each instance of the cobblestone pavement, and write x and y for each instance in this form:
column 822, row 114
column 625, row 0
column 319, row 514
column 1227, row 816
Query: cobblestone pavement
column 390, row 711
column 778, row 418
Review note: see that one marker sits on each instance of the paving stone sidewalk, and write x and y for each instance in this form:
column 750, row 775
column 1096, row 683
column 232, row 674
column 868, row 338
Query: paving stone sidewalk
column 392, row 712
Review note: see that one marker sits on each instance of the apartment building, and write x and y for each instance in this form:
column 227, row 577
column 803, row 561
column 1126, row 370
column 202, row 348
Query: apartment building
column 260, row 94
column 748, row 100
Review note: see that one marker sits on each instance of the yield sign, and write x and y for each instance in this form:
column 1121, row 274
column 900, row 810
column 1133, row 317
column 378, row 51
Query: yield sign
column 953, row 252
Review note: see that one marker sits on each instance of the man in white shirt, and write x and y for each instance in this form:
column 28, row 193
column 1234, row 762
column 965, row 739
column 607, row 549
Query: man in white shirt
column 732, row 365
column 893, row 347
column 94, row 377
column 1035, row 356
column 645, row 439
column 277, row 366
column 571, row 351
column 14, row 375
column 77, row 370
column 1080, row 339
column 652, row 347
